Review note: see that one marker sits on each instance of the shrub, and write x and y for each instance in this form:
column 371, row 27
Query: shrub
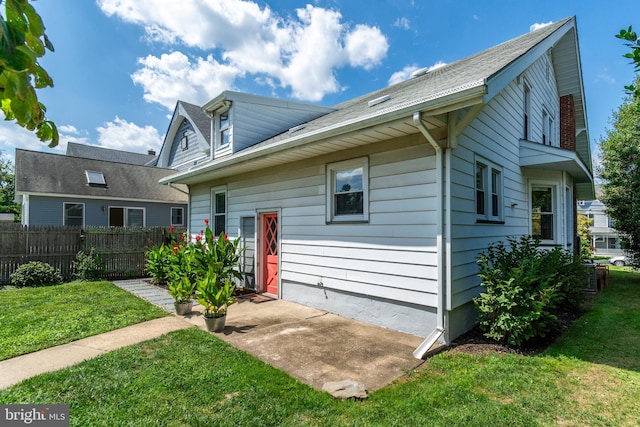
column 526, row 288
column 158, row 263
column 35, row 273
column 87, row 266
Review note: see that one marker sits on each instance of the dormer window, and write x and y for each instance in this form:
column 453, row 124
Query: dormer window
column 224, row 133
column 95, row 179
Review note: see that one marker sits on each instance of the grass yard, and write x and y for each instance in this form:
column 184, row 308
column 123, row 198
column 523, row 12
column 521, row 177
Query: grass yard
column 189, row 377
column 35, row 318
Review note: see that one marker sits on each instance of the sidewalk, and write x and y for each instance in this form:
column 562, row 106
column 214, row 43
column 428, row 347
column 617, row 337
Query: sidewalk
column 14, row 370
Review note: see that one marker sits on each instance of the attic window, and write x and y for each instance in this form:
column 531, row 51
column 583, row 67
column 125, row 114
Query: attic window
column 184, row 141
column 379, row 100
column 95, row 178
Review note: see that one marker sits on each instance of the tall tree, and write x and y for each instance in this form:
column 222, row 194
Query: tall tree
column 633, row 43
column 620, row 172
column 22, row 42
column 7, row 186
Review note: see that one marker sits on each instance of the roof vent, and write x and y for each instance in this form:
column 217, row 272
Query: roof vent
column 379, row 100
column 297, row 128
column 420, row 72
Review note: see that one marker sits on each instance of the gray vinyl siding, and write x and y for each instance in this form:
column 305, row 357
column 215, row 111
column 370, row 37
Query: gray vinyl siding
column 183, row 159
column 392, row 257
column 495, row 136
column 50, row 211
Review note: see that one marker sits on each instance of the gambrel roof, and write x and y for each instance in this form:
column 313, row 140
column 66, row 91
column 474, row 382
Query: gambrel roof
column 391, row 111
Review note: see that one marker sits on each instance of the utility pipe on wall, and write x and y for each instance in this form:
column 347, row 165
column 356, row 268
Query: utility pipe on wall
column 428, row 343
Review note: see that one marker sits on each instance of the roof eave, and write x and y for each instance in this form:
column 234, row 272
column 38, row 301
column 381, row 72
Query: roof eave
column 469, row 95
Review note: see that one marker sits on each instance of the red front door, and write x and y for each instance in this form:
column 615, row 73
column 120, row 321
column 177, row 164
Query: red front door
column 270, row 252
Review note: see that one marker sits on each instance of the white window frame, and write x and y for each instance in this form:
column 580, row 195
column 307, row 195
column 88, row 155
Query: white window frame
column 64, row 212
column 220, row 130
column 125, row 219
column 181, row 223
column 331, row 170
column 215, row 214
column 548, row 134
column 555, row 209
column 527, row 110
column 491, row 189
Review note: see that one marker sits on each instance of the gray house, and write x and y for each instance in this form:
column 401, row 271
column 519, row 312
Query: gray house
column 377, row 208
column 66, row 190
column 605, row 239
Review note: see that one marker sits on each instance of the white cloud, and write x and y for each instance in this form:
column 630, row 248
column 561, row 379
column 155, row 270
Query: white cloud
column 13, row 136
column 407, row 71
column 403, row 74
column 538, row 25
column 300, row 53
column 122, row 135
column 402, row 23
column 174, row 76
column 606, row 77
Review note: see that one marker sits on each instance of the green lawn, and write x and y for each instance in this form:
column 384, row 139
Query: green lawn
column 35, row 318
column 189, row 377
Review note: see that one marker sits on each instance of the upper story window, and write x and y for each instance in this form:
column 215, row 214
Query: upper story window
column 527, row 111
column 488, row 191
column 224, row 130
column 348, row 191
column 547, row 128
column 184, row 141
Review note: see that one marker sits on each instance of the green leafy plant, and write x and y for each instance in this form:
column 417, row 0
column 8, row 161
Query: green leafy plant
column 526, row 287
column 88, row 266
column 215, row 295
column 181, row 289
column 35, row 273
column 158, row 263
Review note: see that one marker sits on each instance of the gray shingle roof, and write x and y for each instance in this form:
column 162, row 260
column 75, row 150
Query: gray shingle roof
column 45, row 173
column 100, row 153
column 198, row 119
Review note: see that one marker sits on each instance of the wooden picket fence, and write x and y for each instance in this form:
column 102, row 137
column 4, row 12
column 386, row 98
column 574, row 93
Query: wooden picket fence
column 121, row 249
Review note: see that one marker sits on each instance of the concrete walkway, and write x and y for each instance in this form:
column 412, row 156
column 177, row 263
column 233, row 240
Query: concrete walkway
column 311, row 345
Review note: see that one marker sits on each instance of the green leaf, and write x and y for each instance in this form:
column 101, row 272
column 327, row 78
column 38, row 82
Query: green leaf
column 36, row 26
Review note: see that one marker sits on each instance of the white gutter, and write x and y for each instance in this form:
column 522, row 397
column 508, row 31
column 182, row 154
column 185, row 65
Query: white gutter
column 428, row 343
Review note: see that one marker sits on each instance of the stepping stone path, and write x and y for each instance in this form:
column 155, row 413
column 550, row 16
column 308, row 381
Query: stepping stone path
column 148, row 292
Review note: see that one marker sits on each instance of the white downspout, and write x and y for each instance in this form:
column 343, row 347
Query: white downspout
column 428, row 343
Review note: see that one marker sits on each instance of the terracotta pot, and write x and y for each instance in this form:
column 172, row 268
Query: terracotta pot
column 215, row 324
column 183, row 308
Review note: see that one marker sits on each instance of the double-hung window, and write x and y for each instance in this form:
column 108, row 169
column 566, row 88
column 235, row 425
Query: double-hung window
column 74, row 214
column 543, row 209
column 348, row 191
column 219, row 210
column 177, row 216
column 224, row 130
column 527, row 111
column 489, row 188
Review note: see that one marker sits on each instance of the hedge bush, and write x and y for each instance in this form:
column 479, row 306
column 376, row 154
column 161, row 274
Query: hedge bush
column 35, row 273
column 88, row 266
column 526, row 287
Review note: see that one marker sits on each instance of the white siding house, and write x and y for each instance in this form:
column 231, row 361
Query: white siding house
column 377, row 208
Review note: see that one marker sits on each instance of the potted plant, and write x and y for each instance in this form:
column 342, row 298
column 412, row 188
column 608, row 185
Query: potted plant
column 215, row 295
column 181, row 289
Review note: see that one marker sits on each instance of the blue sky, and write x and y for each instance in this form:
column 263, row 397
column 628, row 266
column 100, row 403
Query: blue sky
column 120, row 65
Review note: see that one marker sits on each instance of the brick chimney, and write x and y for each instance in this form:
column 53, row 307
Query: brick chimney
column 151, row 152
column 567, row 123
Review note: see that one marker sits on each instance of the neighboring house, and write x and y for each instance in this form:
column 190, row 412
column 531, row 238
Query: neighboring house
column 377, row 208
column 65, row 190
column 85, row 151
column 604, row 238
